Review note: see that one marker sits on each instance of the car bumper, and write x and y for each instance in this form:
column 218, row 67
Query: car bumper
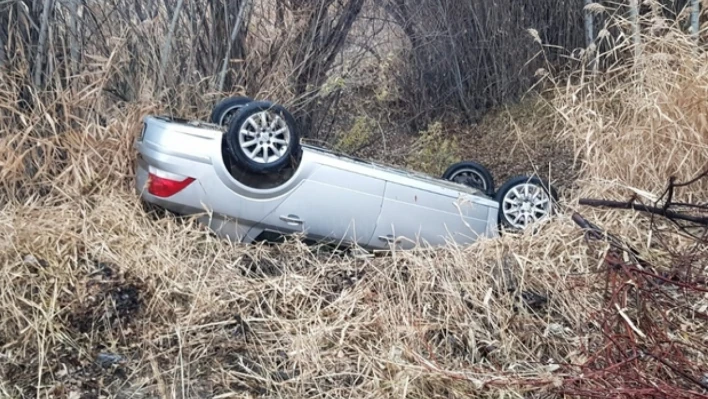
column 191, row 200
column 182, row 203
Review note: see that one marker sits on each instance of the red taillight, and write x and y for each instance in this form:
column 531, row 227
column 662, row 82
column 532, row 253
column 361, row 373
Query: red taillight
column 163, row 187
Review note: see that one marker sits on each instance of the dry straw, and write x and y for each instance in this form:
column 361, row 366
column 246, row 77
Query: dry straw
column 99, row 297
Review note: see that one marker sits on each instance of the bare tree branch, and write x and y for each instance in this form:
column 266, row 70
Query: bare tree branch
column 167, row 48
column 42, row 43
column 3, row 58
column 74, row 22
column 246, row 5
column 643, row 208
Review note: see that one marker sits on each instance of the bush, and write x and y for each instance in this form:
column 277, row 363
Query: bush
column 358, row 136
column 433, row 151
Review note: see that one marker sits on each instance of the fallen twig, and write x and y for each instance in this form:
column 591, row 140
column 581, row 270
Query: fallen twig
column 629, row 322
column 599, row 234
column 644, row 208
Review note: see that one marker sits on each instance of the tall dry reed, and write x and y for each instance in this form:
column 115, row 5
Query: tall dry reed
column 99, row 298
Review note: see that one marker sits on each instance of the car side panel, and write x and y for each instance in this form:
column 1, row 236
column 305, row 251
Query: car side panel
column 413, row 216
column 224, row 201
column 335, row 197
column 332, row 204
column 196, row 152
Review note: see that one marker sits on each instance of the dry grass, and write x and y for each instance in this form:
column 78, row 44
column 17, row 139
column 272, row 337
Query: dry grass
column 86, row 272
column 191, row 313
column 648, row 126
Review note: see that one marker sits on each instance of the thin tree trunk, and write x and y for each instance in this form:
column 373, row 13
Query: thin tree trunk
column 167, row 48
column 194, row 18
column 695, row 15
column 74, row 35
column 589, row 31
column 213, row 44
column 456, row 63
column 42, row 43
column 634, row 18
column 5, row 30
column 3, row 58
column 51, row 61
column 237, row 27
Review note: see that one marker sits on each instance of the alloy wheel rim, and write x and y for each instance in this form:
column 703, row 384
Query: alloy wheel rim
column 525, row 204
column 264, row 137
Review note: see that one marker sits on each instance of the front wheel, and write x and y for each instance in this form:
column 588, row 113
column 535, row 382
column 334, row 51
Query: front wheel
column 525, row 200
column 262, row 138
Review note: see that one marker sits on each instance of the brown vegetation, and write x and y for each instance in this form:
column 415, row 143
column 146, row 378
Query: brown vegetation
column 98, row 298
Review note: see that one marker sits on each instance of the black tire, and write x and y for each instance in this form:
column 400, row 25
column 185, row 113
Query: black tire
column 471, row 174
column 291, row 150
column 225, row 110
column 509, row 185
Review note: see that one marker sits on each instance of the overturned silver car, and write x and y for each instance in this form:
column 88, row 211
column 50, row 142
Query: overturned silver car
column 247, row 176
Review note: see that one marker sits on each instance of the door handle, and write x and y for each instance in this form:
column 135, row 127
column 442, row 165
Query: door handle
column 291, row 220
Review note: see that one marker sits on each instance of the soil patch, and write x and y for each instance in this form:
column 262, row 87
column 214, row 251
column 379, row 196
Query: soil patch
column 111, row 303
column 520, row 140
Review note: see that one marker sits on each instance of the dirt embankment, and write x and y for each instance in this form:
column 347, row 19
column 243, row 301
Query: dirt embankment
column 517, row 139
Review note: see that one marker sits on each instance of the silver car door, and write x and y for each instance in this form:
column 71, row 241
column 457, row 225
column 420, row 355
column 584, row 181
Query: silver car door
column 238, row 209
column 411, row 215
column 332, row 204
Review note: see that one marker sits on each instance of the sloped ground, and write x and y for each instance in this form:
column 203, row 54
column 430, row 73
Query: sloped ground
column 98, row 299
column 518, row 139
column 521, row 140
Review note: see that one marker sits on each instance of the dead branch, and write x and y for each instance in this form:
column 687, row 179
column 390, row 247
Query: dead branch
column 2, row 52
column 42, row 44
column 643, row 208
column 638, row 358
column 74, row 28
column 669, row 194
column 167, row 48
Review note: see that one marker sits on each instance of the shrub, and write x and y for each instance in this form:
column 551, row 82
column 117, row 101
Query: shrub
column 433, row 151
column 358, row 136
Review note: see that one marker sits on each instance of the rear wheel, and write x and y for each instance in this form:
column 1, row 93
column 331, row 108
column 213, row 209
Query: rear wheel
column 471, row 174
column 262, row 138
column 224, row 111
column 525, row 200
